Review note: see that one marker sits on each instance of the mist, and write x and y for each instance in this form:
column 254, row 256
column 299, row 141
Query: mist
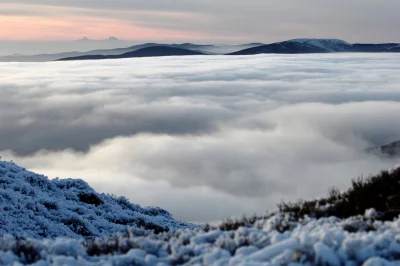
column 204, row 137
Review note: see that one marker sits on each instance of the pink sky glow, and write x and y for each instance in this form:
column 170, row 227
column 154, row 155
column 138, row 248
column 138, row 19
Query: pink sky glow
column 37, row 28
column 207, row 21
column 65, row 23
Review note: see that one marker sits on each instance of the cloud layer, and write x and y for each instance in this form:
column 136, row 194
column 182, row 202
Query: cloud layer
column 205, row 137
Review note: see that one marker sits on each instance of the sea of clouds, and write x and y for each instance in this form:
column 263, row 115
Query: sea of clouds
column 205, row 137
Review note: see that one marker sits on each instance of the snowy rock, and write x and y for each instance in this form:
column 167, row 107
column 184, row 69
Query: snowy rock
column 324, row 255
column 245, row 251
column 371, row 214
column 377, row 262
column 216, row 256
column 269, row 252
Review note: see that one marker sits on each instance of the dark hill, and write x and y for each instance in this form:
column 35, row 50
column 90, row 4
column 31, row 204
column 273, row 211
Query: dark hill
column 374, row 48
column 388, row 150
column 308, row 46
column 144, row 52
column 282, row 48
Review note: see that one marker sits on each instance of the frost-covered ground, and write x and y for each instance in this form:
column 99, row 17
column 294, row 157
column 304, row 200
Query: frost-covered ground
column 65, row 222
column 270, row 241
column 31, row 205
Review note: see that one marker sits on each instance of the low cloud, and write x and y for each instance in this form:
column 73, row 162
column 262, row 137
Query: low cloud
column 204, row 137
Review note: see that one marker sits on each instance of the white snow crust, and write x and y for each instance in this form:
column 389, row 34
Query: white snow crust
column 308, row 242
column 33, row 234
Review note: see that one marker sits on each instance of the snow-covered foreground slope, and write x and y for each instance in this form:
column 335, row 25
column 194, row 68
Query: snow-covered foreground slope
column 32, row 205
column 65, row 222
column 269, row 241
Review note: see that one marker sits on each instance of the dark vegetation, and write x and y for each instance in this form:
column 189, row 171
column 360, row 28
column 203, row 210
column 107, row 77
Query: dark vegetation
column 92, row 199
column 77, row 225
column 140, row 223
column 286, row 223
column 26, row 250
column 50, row 205
column 231, row 224
column 111, row 245
column 381, row 192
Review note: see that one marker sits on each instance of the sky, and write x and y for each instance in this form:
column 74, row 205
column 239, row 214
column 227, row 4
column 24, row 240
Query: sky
column 216, row 21
column 204, row 137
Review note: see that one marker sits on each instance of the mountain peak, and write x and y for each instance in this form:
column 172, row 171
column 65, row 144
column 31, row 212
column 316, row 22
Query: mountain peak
column 84, row 39
column 113, row 39
column 319, row 40
column 330, row 45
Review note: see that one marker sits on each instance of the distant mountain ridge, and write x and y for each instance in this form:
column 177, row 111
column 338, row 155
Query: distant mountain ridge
column 305, row 46
column 294, row 46
column 203, row 48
